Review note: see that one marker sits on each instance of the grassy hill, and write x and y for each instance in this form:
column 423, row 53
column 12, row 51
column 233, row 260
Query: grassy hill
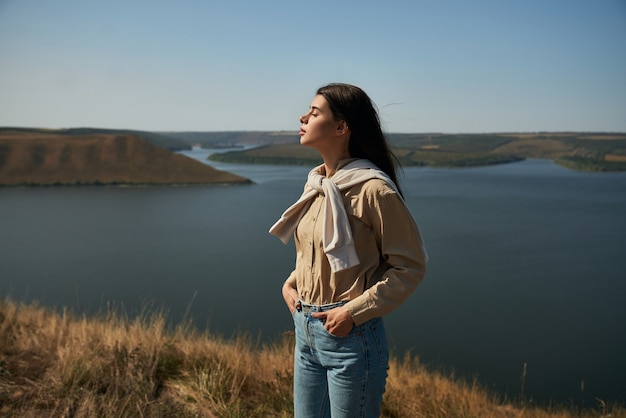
column 56, row 364
column 38, row 157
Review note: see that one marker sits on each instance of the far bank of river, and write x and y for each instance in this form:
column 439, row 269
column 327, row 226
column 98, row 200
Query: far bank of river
column 433, row 156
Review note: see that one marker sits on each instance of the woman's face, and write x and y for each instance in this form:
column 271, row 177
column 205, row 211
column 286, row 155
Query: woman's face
column 318, row 127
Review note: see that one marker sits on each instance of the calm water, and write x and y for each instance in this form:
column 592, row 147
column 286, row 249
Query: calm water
column 527, row 265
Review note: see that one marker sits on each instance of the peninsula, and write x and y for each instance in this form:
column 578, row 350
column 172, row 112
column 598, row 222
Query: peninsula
column 34, row 157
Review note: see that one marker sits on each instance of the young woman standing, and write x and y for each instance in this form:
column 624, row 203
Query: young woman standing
column 359, row 254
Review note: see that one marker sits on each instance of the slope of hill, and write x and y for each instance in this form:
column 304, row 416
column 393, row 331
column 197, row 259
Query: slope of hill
column 60, row 364
column 37, row 157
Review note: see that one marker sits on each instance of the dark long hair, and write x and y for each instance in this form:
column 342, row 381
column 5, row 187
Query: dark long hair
column 367, row 140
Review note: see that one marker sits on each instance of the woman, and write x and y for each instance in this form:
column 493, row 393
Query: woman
column 359, row 256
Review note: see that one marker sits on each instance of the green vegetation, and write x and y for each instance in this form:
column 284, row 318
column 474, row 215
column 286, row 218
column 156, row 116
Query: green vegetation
column 57, row 364
column 410, row 158
column 293, row 154
column 590, row 164
column 459, row 143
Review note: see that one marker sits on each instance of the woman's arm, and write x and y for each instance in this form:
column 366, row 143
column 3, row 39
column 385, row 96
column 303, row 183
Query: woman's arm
column 401, row 248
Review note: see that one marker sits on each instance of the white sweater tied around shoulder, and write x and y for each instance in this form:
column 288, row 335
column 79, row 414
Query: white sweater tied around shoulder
column 336, row 235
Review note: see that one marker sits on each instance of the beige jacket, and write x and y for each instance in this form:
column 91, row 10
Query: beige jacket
column 388, row 243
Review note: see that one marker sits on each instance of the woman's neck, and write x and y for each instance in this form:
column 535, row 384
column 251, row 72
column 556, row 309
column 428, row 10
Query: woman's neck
column 334, row 152
column 332, row 164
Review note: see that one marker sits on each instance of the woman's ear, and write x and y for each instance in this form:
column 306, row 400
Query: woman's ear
column 342, row 127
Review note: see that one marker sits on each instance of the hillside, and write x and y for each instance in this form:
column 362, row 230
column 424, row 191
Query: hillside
column 59, row 364
column 581, row 151
column 46, row 158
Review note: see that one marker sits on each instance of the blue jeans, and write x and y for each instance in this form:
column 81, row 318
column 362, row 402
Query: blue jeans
column 338, row 377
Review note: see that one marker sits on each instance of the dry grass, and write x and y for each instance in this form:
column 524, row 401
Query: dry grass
column 61, row 365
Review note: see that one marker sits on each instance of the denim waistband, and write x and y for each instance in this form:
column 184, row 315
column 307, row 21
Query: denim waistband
column 308, row 308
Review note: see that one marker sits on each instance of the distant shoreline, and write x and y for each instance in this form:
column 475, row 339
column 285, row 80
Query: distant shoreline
column 125, row 158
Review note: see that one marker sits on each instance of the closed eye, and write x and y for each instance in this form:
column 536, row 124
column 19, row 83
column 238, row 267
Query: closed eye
column 314, row 110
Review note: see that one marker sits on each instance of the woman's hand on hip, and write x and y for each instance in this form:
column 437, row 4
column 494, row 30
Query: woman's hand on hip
column 339, row 321
column 292, row 299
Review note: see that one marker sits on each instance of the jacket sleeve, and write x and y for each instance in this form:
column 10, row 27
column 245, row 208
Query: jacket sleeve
column 401, row 249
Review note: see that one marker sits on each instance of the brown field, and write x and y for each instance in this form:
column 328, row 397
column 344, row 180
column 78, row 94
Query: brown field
column 606, row 137
column 536, row 135
column 615, row 158
column 581, row 135
column 534, row 148
column 62, row 365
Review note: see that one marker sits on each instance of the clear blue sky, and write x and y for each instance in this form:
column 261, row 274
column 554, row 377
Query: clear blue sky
column 430, row 66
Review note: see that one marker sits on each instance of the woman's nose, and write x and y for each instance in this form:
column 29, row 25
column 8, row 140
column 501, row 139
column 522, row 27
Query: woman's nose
column 303, row 119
